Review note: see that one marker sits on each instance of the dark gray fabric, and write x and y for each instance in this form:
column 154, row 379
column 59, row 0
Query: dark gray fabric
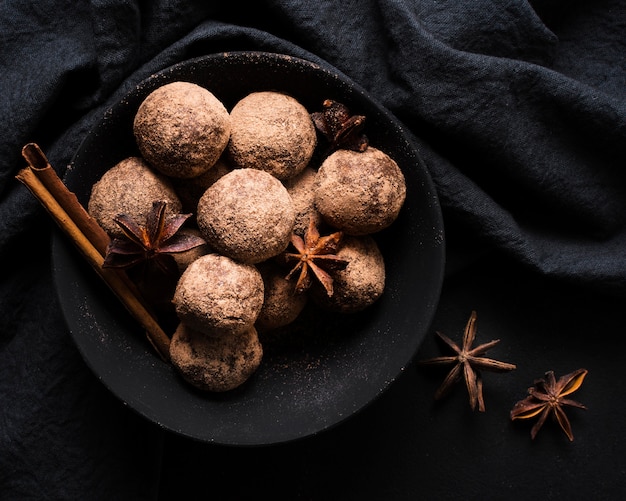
column 518, row 109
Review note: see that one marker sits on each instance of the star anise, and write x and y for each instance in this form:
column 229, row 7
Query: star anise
column 158, row 237
column 468, row 361
column 315, row 255
column 340, row 127
column 546, row 397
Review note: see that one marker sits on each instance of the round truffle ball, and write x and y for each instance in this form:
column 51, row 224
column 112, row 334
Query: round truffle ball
column 359, row 192
column 301, row 188
column 360, row 283
column 247, row 215
column 217, row 364
column 281, row 304
column 181, row 129
column 130, row 187
column 271, row 131
column 219, row 296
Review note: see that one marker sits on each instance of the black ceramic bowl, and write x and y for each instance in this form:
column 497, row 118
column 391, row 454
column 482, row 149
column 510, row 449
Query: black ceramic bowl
column 334, row 365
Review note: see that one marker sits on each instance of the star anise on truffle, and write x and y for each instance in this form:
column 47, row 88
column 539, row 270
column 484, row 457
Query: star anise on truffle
column 315, row 255
column 158, row 237
column 468, row 361
column 340, row 127
column 547, row 397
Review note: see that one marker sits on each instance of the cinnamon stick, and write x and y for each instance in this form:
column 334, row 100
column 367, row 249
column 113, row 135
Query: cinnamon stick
column 66, row 199
column 88, row 236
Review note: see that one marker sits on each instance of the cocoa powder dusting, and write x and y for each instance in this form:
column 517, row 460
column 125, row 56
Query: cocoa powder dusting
column 281, row 305
column 182, row 129
column 217, row 295
column 361, row 283
column 273, row 132
column 247, row 215
column 130, row 187
column 301, row 188
column 360, row 192
column 215, row 363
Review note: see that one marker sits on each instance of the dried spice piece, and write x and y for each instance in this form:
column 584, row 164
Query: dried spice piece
column 65, row 209
column 340, row 127
column 315, row 255
column 468, row 361
column 547, row 397
column 150, row 242
column 146, row 251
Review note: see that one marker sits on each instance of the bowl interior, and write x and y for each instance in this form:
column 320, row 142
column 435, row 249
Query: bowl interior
column 330, row 366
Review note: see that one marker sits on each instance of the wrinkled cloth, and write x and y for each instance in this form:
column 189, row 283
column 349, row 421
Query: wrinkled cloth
column 519, row 111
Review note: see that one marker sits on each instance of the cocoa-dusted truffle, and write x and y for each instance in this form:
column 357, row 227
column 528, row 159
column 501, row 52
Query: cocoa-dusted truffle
column 301, row 188
column 246, row 215
column 359, row 192
column 130, row 187
column 281, row 304
column 181, row 129
column 191, row 189
column 273, row 132
column 219, row 363
column 219, row 296
column 185, row 258
column 360, row 283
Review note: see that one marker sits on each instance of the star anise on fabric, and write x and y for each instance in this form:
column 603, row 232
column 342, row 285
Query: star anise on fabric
column 340, row 127
column 152, row 241
column 468, row 362
column 547, row 397
column 315, row 256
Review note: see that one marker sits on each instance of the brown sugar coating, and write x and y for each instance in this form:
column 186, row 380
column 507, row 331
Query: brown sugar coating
column 181, row 129
column 247, row 215
column 301, row 188
column 215, row 363
column 219, row 296
column 361, row 283
column 359, row 192
column 281, row 304
column 271, row 131
column 130, row 187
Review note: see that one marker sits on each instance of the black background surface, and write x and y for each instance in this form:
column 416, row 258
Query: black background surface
column 519, row 112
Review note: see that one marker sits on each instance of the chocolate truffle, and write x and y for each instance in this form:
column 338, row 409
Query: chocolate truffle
column 281, row 304
column 181, row 129
column 185, row 258
column 360, row 283
column 130, row 187
column 191, row 189
column 359, row 192
column 246, row 215
column 271, row 131
column 219, row 296
column 301, row 188
column 219, row 363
